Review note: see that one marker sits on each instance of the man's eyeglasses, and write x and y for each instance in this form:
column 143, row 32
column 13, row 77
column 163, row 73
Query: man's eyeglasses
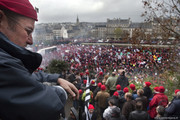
column 28, row 30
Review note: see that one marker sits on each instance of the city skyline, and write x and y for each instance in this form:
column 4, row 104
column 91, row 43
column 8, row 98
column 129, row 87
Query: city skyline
column 88, row 11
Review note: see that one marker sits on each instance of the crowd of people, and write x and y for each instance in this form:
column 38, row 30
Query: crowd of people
column 117, row 99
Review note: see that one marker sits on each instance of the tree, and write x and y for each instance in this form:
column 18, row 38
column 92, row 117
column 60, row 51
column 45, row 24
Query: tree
column 57, row 66
column 118, row 33
column 166, row 13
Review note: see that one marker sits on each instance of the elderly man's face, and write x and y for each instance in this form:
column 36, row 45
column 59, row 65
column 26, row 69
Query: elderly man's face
column 22, row 34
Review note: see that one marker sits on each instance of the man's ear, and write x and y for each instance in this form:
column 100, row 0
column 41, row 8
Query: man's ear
column 1, row 15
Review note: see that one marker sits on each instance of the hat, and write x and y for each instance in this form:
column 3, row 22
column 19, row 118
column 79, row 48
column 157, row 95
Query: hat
column 91, row 106
column 125, row 90
column 101, row 73
column 85, row 81
column 147, row 84
column 161, row 89
column 177, row 90
column 116, row 94
column 156, row 89
column 80, row 91
column 132, row 86
column 22, row 7
column 103, row 87
column 99, row 84
column 93, row 82
column 118, row 87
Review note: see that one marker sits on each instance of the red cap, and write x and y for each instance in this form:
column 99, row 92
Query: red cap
column 85, row 81
column 93, row 82
column 99, row 84
column 80, row 91
column 101, row 73
column 91, row 106
column 132, row 86
column 161, row 89
column 147, row 84
column 103, row 87
column 125, row 90
column 118, row 87
column 22, row 7
column 116, row 94
column 177, row 90
column 156, row 89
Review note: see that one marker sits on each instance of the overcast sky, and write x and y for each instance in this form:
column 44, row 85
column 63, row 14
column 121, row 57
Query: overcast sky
column 88, row 10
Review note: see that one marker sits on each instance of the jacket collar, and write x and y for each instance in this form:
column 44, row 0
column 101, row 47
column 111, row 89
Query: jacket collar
column 30, row 59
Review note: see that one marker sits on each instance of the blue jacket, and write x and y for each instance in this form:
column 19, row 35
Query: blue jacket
column 22, row 94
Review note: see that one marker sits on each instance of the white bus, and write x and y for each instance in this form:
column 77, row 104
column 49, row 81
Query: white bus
column 47, row 50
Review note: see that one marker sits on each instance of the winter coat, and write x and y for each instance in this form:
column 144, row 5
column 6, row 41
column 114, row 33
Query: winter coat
column 158, row 99
column 22, row 94
column 138, row 115
column 123, row 81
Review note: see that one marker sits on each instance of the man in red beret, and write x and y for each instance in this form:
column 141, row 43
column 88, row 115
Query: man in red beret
column 147, row 90
column 22, row 94
column 158, row 99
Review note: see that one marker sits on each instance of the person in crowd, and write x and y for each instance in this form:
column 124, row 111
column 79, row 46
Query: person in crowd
column 121, row 96
column 139, row 113
column 27, row 97
column 142, row 99
column 158, row 99
column 134, row 91
column 173, row 109
column 120, row 92
column 111, row 83
column 92, row 115
column 105, row 79
column 98, row 88
column 116, row 114
column 147, row 90
column 122, row 79
column 160, row 112
column 108, row 111
column 102, row 99
column 93, row 85
column 129, row 105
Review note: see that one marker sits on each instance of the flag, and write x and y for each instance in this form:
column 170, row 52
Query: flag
column 87, row 97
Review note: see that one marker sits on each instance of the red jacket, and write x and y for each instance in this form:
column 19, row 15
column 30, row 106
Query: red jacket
column 158, row 99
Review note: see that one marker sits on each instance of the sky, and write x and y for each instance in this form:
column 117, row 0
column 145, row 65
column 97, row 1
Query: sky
column 87, row 10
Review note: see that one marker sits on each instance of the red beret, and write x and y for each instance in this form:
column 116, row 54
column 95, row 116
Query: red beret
column 161, row 89
column 101, row 73
column 132, row 86
column 91, row 106
column 147, row 84
column 22, row 7
column 99, row 84
column 85, row 81
column 103, row 87
column 156, row 89
column 177, row 90
column 80, row 91
column 118, row 87
column 81, row 74
column 126, row 90
column 116, row 94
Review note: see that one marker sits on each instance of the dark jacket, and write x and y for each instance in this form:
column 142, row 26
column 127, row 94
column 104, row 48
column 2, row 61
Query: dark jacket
column 123, row 81
column 147, row 92
column 138, row 115
column 144, row 101
column 174, row 108
column 22, row 95
column 128, row 107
